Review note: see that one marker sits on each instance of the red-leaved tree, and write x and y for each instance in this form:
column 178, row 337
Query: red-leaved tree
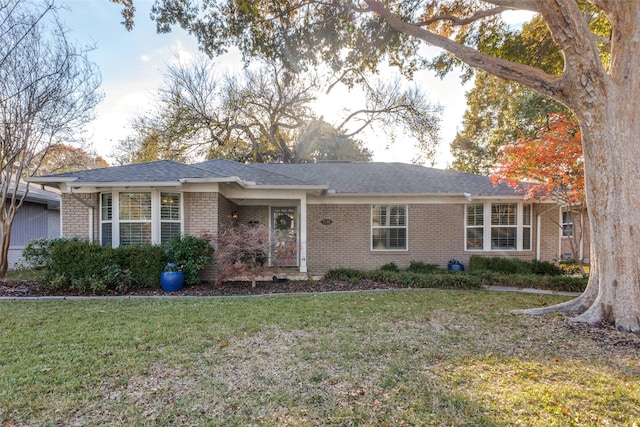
column 549, row 166
column 251, row 251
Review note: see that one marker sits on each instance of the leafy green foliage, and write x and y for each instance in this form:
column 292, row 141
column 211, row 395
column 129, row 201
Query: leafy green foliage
column 142, row 262
column 513, row 266
column 533, row 281
column 392, row 266
column 443, row 280
column 484, row 271
column 191, row 254
column 84, row 267
column 421, row 267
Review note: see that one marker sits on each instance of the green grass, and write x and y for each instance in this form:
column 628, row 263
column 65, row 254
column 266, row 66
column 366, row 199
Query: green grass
column 411, row 357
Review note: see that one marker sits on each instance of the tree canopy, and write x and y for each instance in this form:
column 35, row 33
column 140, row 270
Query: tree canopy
column 266, row 113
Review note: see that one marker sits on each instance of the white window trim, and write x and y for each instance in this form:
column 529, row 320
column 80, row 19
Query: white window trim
column 406, row 227
column 487, row 226
column 563, row 224
column 155, row 214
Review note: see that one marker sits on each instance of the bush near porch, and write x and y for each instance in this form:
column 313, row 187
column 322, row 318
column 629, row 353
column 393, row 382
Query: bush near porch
column 74, row 264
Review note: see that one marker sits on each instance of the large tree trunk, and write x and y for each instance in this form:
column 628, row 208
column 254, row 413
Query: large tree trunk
column 612, row 163
column 611, row 133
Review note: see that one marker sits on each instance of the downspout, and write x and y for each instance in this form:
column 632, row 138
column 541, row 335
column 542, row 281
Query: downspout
column 303, row 234
column 89, row 206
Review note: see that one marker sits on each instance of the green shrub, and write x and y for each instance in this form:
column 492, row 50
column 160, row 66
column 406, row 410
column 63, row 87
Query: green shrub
column 144, row 263
column 504, row 265
column 440, row 280
column 191, row 254
column 78, row 265
column 421, row 267
column 546, row 282
column 346, row 274
column 390, row 267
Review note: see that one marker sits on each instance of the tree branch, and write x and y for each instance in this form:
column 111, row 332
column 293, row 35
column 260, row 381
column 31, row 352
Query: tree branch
column 527, row 75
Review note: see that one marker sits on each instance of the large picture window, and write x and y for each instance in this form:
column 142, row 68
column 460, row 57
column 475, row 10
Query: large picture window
column 389, row 227
column 141, row 217
column 498, row 227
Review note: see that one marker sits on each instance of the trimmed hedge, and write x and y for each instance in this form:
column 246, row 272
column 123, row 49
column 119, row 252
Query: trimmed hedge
column 85, row 267
column 443, row 279
column 504, row 265
column 551, row 283
column 408, row 279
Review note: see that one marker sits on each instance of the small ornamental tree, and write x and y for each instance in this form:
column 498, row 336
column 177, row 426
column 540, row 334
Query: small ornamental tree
column 548, row 166
column 242, row 249
column 247, row 249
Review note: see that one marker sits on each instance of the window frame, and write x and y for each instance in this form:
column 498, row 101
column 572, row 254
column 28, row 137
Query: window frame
column 523, row 226
column 404, row 227
column 567, row 225
column 155, row 220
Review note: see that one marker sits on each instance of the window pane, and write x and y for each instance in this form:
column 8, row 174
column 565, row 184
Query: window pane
column 503, row 237
column 170, row 206
column 526, row 214
column 475, row 238
column 504, row 213
column 475, row 215
column 379, row 216
column 526, row 239
column 390, row 238
column 107, row 207
column 107, row 228
column 135, row 233
column 168, row 230
column 135, row 206
column 397, row 217
column 567, row 224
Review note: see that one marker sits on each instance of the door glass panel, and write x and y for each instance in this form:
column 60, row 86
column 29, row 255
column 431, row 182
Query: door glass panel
column 284, row 237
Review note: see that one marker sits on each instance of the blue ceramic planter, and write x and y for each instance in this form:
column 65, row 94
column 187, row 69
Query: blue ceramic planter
column 171, row 281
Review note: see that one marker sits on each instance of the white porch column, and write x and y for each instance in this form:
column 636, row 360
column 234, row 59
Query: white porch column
column 303, row 234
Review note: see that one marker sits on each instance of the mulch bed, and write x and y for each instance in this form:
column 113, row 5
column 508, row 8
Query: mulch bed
column 32, row 289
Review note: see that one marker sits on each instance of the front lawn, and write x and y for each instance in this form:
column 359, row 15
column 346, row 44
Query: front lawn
column 405, row 357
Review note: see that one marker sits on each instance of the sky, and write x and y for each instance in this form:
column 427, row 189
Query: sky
column 132, row 65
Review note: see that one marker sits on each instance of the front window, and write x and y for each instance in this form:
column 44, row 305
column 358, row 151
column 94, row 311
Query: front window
column 504, row 226
column 128, row 218
column 389, row 227
column 498, row 227
column 135, row 218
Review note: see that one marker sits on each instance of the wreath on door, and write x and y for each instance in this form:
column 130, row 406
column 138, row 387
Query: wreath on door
column 283, row 222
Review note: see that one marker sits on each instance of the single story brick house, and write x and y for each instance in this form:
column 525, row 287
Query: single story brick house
column 340, row 214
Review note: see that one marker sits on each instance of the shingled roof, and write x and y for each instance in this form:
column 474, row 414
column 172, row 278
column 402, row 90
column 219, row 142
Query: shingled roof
column 336, row 177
